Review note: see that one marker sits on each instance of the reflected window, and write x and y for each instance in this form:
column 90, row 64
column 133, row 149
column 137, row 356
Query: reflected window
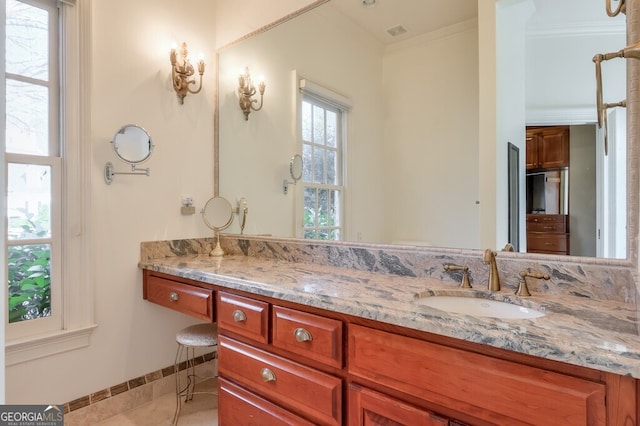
column 322, row 128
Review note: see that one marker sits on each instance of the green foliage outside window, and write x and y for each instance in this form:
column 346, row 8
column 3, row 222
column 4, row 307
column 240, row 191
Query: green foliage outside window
column 29, row 276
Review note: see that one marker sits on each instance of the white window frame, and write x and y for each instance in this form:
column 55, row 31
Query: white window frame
column 77, row 320
column 327, row 97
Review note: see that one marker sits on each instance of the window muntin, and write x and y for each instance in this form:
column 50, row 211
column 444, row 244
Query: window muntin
column 321, row 131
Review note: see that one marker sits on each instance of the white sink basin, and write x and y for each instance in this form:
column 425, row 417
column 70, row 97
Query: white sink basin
column 479, row 307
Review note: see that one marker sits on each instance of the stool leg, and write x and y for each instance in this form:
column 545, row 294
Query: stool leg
column 178, row 390
column 192, row 373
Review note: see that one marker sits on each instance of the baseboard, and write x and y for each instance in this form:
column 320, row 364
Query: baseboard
column 132, row 393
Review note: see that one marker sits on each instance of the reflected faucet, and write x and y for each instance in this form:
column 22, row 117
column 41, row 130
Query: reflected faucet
column 493, row 283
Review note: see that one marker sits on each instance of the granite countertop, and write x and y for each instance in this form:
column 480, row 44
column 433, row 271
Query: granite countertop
column 602, row 335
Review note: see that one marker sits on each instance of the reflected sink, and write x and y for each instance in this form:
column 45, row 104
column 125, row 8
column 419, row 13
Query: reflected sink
column 479, row 307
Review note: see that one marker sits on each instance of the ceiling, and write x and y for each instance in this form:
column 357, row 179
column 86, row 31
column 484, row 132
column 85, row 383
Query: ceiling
column 424, row 16
column 417, row 16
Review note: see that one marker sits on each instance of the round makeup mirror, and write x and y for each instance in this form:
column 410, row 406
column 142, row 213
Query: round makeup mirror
column 133, row 145
column 217, row 215
column 295, row 170
column 295, row 167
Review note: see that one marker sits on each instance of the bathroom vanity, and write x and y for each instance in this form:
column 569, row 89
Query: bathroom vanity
column 304, row 343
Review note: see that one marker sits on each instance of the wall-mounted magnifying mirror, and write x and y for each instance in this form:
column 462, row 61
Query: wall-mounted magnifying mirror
column 295, row 170
column 217, row 215
column 133, row 145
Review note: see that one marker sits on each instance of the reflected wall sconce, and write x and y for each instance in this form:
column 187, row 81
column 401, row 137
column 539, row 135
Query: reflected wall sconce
column 181, row 72
column 246, row 91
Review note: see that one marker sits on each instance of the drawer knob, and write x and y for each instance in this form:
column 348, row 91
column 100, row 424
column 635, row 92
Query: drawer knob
column 302, row 335
column 239, row 316
column 174, row 297
column 268, row 375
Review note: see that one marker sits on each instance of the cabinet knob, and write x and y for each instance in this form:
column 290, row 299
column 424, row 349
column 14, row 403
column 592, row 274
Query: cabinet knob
column 174, row 297
column 268, row 375
column 239, row 316
column 302, row 335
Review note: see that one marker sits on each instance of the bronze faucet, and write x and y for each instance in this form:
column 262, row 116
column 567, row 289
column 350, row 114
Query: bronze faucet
column 494, row 278
column 465, row 274
column 523, row 290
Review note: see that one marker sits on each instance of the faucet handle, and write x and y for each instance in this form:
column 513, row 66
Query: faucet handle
column 523, row 290
column 465, row 274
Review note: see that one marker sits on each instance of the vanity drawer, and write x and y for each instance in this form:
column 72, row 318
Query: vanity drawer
column 547, row 243
column 243, row 316
column 489, row 389
column 546, row 227
column 188, row 299
column 311, row 336
column 239, row 407
column 298, row 388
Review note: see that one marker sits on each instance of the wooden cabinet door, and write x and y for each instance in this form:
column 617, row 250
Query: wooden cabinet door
column 239, row 407
column 553, row 148
column 369, row 408
column 532, row 150
column 488, row 389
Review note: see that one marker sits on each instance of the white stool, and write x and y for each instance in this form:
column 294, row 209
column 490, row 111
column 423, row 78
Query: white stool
column 190, row 338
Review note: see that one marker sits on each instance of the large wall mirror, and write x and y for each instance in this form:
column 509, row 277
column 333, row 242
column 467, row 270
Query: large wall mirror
column 414, row 167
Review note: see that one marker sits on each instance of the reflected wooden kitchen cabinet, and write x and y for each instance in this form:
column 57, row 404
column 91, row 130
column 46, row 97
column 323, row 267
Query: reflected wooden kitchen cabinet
column 547, row 147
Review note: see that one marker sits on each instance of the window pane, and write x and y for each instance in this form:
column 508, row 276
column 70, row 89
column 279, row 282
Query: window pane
column 332, row 210
column 29, row 282
column 318, row 166
column 27, row 118
column 307, row 163
column 306, row 121
column 332, row 128
column 332, row 177
column 318, row 125
column 335, row 205
column 323, row 207
column 310, row 207
column 27, row 40
column 28, row 201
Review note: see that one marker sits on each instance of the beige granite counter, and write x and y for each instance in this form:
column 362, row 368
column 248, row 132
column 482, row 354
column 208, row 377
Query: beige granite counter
column 589, row 332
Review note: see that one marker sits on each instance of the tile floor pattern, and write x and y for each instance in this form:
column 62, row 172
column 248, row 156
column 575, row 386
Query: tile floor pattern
column 201, row 411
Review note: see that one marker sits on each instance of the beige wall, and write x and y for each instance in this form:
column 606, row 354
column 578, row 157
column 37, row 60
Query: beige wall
column 582, row 190
column 431, row 168
column 131, row 84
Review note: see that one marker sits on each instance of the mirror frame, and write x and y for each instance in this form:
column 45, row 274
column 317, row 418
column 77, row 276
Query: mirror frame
column 122, row 131
column 633, row 143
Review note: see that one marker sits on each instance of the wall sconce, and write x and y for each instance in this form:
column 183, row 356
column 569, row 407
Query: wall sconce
column 632, row 51
column 182, row 70
column 246, row 90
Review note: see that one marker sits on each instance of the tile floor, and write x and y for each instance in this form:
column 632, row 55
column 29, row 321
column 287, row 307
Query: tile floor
column 201, row 411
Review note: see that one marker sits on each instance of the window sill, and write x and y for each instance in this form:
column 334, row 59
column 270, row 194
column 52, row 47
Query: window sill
column 28, row 349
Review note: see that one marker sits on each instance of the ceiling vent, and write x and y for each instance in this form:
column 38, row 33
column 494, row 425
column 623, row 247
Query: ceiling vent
column 397, row 30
